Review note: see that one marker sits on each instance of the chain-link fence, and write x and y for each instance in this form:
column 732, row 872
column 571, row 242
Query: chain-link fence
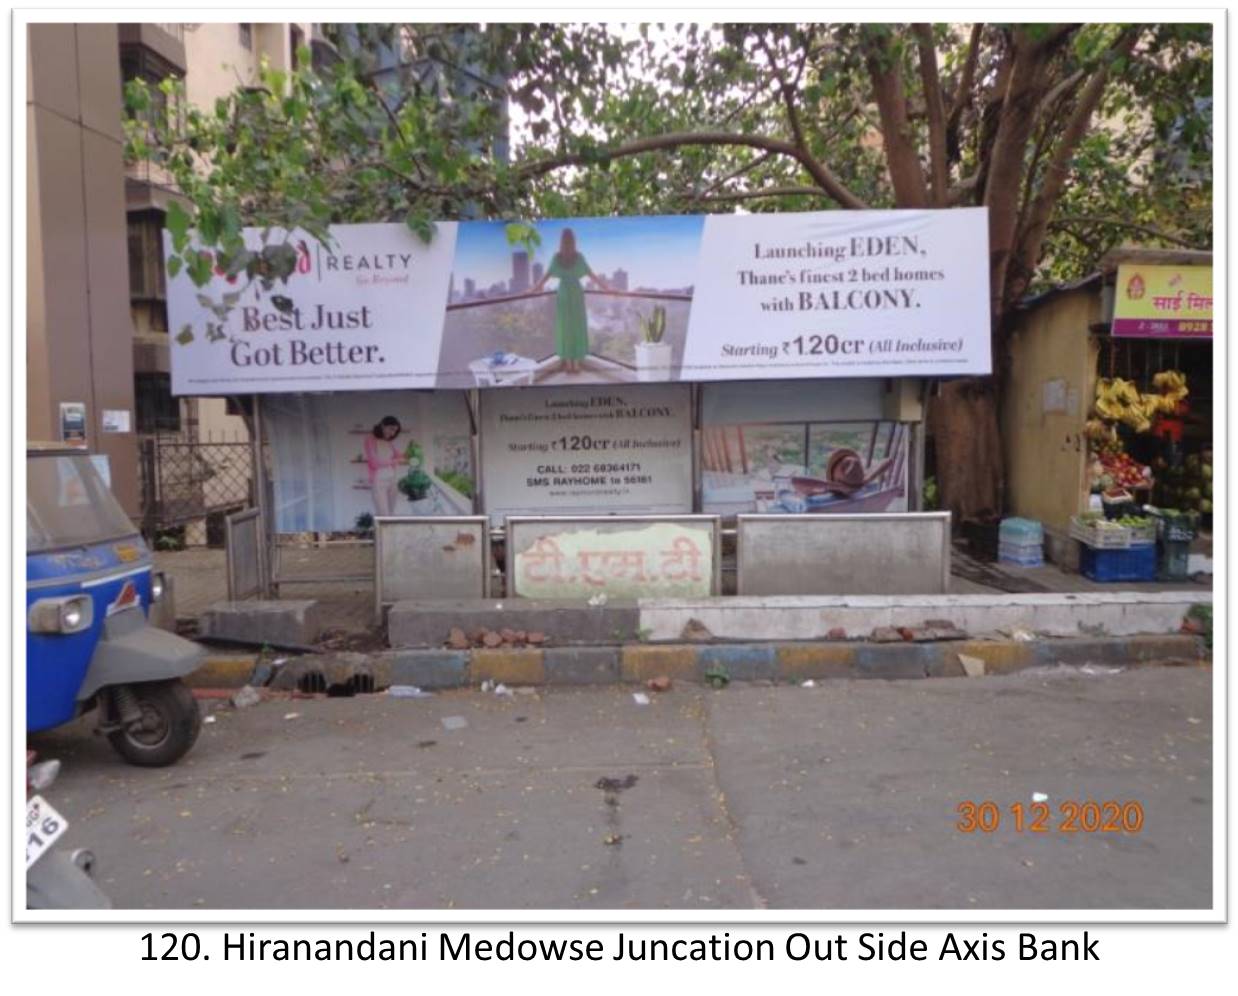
column 185, row 483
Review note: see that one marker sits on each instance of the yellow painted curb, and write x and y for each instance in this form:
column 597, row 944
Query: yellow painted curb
column 819, row 660
column 511, row 667
column 999, row 656
column 223, row 672
column 640, row 663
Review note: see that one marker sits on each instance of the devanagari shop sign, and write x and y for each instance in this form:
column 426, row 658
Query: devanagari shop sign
column 1162, row 302
column 658, row 560
column 597, row 301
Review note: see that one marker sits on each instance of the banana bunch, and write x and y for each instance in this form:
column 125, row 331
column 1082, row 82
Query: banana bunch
column 1119, row 400
column 1172, row 385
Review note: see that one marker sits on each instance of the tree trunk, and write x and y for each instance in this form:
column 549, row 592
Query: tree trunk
column 963, row 420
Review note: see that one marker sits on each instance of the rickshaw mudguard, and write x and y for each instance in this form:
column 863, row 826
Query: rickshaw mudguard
column 132, row 651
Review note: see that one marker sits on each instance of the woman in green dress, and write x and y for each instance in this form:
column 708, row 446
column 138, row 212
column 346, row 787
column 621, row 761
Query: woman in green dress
column 569, row 267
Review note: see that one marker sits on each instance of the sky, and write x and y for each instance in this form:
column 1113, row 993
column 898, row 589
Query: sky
column 657, row 251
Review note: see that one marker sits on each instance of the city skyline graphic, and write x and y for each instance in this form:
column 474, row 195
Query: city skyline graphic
column 630, row 254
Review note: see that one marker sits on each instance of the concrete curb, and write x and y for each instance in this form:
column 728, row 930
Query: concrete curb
column 223, row 671
column 778, row 662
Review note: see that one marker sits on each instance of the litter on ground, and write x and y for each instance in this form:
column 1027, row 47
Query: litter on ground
column 408, row 692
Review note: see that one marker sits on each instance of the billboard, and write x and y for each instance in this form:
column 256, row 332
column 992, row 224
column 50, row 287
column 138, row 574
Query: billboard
column 598, row 301
column 341, row 459
column 793, row 454
column 1162, row 302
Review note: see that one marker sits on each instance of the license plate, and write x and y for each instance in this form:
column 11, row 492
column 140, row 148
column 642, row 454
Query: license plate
column 44, row 827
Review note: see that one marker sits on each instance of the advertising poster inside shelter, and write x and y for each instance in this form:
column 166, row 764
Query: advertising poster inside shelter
column 627, row 448
column 341, row 459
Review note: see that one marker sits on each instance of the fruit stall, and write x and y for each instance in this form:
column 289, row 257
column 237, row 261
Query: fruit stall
column 1109, row 413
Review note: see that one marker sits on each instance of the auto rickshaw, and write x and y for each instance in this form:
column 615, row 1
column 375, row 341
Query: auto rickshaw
column 90, row 583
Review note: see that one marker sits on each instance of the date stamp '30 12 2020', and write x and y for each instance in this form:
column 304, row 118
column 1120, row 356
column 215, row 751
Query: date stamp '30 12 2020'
column 1089, row 816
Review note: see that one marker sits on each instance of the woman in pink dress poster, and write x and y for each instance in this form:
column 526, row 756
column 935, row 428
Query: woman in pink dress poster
column 385, row 460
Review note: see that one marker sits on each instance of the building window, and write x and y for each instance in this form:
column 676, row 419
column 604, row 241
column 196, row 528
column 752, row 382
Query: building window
column 146, row 274
column 247, row 36
column 296, row 38
column 138, row 62
column 157, row 410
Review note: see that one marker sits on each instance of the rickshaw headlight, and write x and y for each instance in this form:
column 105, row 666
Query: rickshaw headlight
column 156, row 586
column 70, row 614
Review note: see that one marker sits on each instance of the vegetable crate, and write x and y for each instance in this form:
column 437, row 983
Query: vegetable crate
column 1109, row 537
column 1138, row 563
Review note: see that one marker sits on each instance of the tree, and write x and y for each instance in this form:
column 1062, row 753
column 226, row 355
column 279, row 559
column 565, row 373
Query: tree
column 1074, row 137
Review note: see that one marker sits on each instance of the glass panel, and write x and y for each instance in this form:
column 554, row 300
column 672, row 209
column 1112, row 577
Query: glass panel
column 67, row 504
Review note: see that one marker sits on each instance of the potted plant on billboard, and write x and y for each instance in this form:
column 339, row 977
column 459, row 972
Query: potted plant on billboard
column 653, row 356
column 415, row 486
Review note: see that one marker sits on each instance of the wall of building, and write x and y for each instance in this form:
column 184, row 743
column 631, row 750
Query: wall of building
column 79, row 334
column 218, row 62
column 1053, row 367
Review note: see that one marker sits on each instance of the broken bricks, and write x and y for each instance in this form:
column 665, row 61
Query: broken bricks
column 458, row 639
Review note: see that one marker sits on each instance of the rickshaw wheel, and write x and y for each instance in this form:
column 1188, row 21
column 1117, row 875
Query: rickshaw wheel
column 170, row 724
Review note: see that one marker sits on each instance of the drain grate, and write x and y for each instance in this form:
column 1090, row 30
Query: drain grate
column 312, row 683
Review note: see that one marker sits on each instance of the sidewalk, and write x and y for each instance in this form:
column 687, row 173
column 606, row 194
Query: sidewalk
column 199, row 581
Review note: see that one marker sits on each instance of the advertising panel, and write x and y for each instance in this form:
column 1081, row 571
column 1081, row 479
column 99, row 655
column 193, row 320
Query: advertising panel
column 598, row 301
column 341, row 459
column 585, row 449
column 1162, row 302
column 792, row 454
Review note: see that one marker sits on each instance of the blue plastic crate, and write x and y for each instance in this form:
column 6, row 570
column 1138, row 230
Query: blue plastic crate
column 1138, row 563
column 1021, row 531
column 1023, row 554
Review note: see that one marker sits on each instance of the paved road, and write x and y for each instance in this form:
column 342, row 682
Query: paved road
column 839, row 796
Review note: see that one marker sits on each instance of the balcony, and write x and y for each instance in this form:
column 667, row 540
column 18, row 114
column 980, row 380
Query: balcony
column 166, row 41
column 522, row 328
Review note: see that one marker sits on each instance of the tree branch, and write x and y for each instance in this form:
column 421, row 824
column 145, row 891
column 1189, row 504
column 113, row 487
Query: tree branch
column 901, row 156
column 749, row 195
column 1006, row 160
column 824, row 178
column 962, row 96
column 735, row 173
column 934, row 106
column 1058, row 167
column 1067, row 224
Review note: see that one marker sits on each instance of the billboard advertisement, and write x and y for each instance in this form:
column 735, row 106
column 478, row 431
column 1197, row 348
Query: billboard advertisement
column 587, row 449
column 792, row 453
column 598, row 301
column 341, row 459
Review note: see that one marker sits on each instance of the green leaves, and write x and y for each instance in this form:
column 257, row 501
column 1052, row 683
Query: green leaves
column 520, row 233
column 177, row 223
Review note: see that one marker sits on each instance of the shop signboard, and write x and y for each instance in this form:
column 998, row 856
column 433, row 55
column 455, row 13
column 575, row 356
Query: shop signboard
column 340, row 460
column 573, row 450
column 842, row 294
column 1162, row 302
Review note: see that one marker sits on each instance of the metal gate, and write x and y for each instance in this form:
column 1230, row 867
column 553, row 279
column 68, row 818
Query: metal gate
column 185, row 481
